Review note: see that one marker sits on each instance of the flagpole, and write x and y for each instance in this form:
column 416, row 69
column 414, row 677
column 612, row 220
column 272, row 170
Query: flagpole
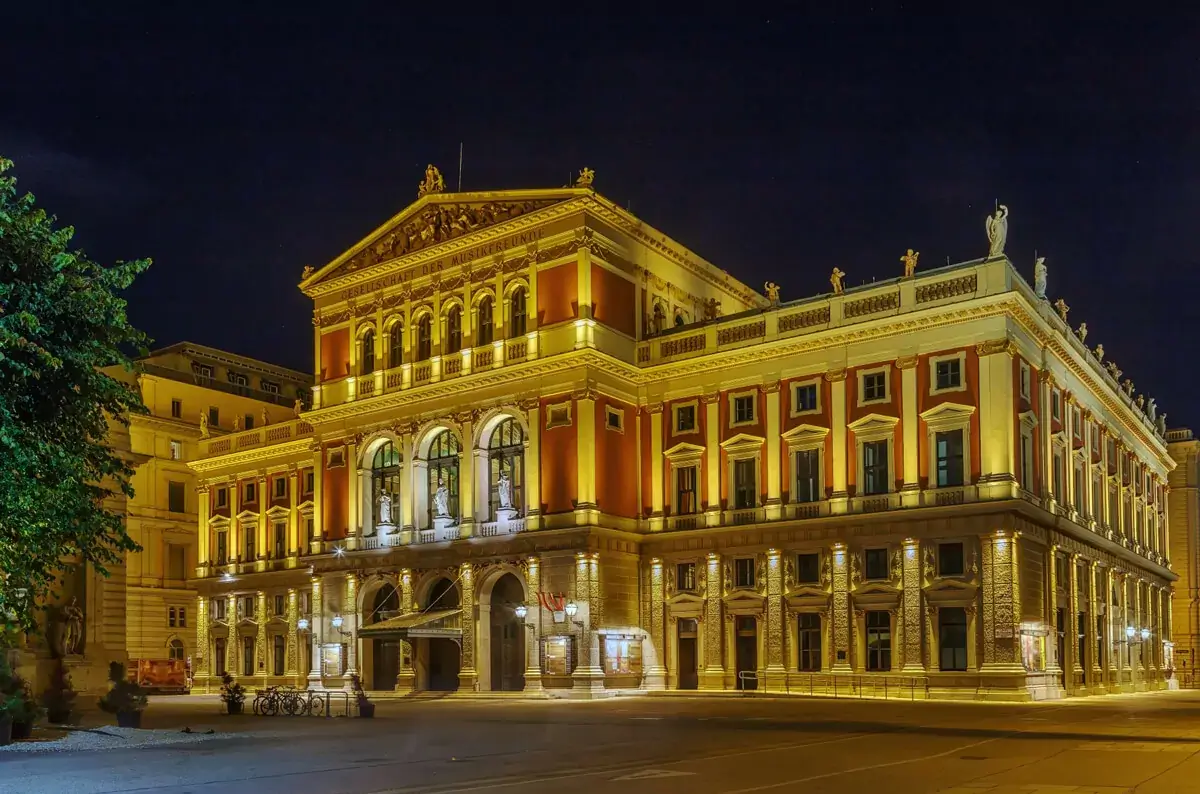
column 460, row 159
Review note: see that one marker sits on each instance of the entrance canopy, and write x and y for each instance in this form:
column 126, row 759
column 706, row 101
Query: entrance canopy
column 436, row 623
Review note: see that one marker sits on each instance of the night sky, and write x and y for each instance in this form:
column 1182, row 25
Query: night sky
column 235, row 149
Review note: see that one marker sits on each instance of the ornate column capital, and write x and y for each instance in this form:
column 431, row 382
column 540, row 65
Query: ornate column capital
column 994, row 346
column 654, row 408
column 709, row 399
column 835, row 375
column 906, row 362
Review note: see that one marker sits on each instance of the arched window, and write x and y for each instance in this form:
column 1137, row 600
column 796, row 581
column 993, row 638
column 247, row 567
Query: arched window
column 516, row 314
column 175, row 650
column 483, row 328
column 679, row 321
column 443, row 474
column 506, row 461
column 366, row 354
column 385, row 479
column 424, row 338
column 396, row 345
column 454, row 329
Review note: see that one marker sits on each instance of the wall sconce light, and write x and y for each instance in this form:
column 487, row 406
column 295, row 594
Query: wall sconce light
column 337, row 622
column 1145, row 634
column 302, row 624
column 1129, row 632
column 521, row 611
column 572, row 609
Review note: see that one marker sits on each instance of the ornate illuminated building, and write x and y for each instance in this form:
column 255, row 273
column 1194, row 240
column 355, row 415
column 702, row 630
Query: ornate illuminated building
column 1184, row 503
column 551, row 448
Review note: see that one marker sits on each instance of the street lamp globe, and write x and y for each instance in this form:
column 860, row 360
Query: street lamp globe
column 337, row 621
column 1145, row 634
column 572, row 609
column 302, row 624
column 1129, row 632
column 521, row 611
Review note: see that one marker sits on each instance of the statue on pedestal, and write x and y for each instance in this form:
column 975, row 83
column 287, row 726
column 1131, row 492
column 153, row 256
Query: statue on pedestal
column 68, row 631
column 1162, row 423
column 1100, row 352
column 441, row 500
column 772, row 290
column 266, row 417
column 504, row 490
column 237, row 423
column 1082, row 332
column 997, row 231
column 297, row 407
column 1039, row 277
column 835, row 278
column 385, row 508
column 203, row 425
column 1061, row 306
column 1151, row 409
column 910, row 262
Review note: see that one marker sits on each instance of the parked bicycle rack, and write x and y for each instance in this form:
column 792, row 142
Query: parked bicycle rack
column 292, row 702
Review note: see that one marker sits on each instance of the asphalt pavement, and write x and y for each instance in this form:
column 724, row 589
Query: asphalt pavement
column 652, row 745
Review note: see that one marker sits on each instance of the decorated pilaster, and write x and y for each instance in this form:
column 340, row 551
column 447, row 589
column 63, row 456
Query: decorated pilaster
column 204, row 535
column 202, row 658
column 1001, row 604
column 1053, row 663
column 586, row 508
column 911, row 609
column 291, row 653
column 1076, row 665
column 657, row 487
column 713, row 676
column 350, row 624
column 656, row 673
column 260, row 637
column 774, row 503
column 533, row 465
column 532, row 622
column 712, row 458
column 315, row 629
column 468, row 678
column 839, row 648
column 776, row 670
column 588, row 675
column 910, row 492
column 406, row 678
column 1093, row 640
column 837, row 406
column 353, row 517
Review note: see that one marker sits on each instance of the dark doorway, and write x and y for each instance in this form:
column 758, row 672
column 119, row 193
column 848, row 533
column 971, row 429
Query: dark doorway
column 385, row 653
column 444, row 661
column 1060, row 621
column 689, row 674
column 508, row 657
column 746, row 647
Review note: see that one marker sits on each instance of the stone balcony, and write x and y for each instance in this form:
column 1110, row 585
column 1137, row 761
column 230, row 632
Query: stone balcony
column 240, row 441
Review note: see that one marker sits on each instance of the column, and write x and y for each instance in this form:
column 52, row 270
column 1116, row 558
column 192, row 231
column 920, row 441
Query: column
column 316, row 389
column 406, row 678
column 840, row 606
column 353, row 518
column 380, row 361
column 1068, row 421
column 588, row 675
column 533, row 620
column 656, row 673
column 233, row 642
column 318, row 499
column 350, row 625
column 998, row 464
column 203, row 659
column 910, row 492
column 1075, row 665
column 315, row 628
column 467, row 676
column 1124, row 655
column 1053, row 663
column 712, row 458
column 407, row 483
column 911, row 609
column 584, row 277
column 1093, row 638
column 291, row 653
column 840, row 501
column 776, row 672
column 466, row 479
column 1001, row 605
column 1138, row 662
column 1155, row 641
column 264, row 501
column 203, row 531
column 294, row 541
column 713, row 676
column 774, row 503
column 531, row 323
column 352, row 381
column 533, row 465
column 1044, row 432
column 1112, row 650
column 656, row 466
column 586, row 509
column 260, row 638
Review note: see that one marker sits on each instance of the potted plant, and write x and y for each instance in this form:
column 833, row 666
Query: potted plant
column 8, row 704
column 365, row 707
column 26, row 712
column 12, row 699
column 125, row 698
column 233, row 694
column 59, row 697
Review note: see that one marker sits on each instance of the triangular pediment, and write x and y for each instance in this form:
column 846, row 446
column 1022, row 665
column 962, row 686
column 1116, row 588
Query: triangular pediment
column 952, row 412
column 876, row 423
column 742, row 441
column 805, row 434
column 683, row 451
column 434, row 220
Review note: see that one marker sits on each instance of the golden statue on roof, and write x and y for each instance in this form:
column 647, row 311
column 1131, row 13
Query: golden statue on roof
column 586, row 177
column 433, row 182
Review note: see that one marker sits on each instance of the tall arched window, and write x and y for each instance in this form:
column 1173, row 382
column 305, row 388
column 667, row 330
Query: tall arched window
column 483, row 328
column 516, row 313
column 385, row 479
column 506, row 460
column 454, row 329
column 175, row 650
column 366, row 353
column 443, row 473
column 396, row 345
column 424, row 338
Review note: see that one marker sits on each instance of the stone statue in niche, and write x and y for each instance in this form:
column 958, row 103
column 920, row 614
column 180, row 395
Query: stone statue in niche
column 504, row 490
column 385, row 509
column 1039, row 277
column 68, row 630
column 441, row 500
column 997, row 231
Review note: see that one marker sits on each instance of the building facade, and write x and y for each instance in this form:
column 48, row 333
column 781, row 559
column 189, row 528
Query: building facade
column 1183, row 502
column 551, row 448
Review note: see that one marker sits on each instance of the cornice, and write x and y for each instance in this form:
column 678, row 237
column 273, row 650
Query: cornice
column 252, row 456
column 175, row 426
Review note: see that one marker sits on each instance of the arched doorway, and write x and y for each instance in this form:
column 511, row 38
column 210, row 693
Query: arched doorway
column 442, row 657
column 385, row 652
column 507, row 635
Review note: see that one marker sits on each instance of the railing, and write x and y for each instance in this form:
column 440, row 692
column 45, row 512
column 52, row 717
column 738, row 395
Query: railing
column 493, row 528
column 422, row 372
column 366, row 385
column 388, row 541
column 875, row 686
column 685, row 522
column 516, row 350
column 248, row 439
column 482, row 357
column 439, row 535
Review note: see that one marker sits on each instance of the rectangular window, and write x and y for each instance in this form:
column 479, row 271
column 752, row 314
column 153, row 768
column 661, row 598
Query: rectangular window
column 743, row 572
column 808, row 568
column 249, row 422
column 949, row 449
column 948, row 374
column 171, row 617
column 237, row 378
column 804, row 398
column 685, row 577
column 743, row 409
column 220, row 609
column 176, row 450
column 614, row 419
column 219, row 656
column 874, row 387
column 248, row 493
column 745, row 484
column 1077, row 487
column 686, row 502
column 175, row 497
column 1059, row 474
column 1097, row 498
column 622, row 656
column 1055, row 404
column 950, row 559
column 1025, row 380
column 182, row 613
column 1027, row 460
column 176, row 561
column 557, row 655
column 310, row 529
column 876, row 564
column 280, row 487
column 279, row 655
column 952, row 639
column 247, row 656
column 308, row 482
column 222, row 497
column 808, row 636
column 879, row 641
column 807, row 464
column 685, row 418
column 222, row 548
column 249, row 531
column 279, row 539
column 269, row 387
column 875, row 467
column 280, row 604
column 248, row 608
column 176, row 409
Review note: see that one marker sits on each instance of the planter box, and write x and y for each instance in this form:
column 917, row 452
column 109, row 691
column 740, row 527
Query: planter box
column 235, row 708
column 5, row 730
column 21, row 731
column 366, row 710
column 129, row 719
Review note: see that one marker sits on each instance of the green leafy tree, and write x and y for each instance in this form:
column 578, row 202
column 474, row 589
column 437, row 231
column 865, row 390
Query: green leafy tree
column 61, row 321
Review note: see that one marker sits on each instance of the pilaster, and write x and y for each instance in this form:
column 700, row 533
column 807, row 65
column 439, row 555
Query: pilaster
column 656, row 673
column 840, row 607
column 204, row 533
column 260, row 637
column 533, row 583
column 656, row 466
column 1001, row 604
column 1046, row 435
column 1054, row 665
column 712, row 458
column 293, row 541
column 586, row 509
column 533, row 465
column 468, row 678
column 1076, row 665
column 318, row 496
column 910, row 492
column 203, row 654
column 408, row 516
column 350, row 625
column 776, row 672
column 315, row 631
column 406, row 677
column 911, row 609
column 713, row 676
column 588, row 675
column 466, row 480
column 774, row 503
column 316, row 389
column 996, row 428
column 1093, row 639
column 840, row 500
column 260, row 536
column 291, row 663
column 354, row 508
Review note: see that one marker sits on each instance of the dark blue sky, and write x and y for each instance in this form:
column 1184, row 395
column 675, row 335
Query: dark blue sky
column 236, row 148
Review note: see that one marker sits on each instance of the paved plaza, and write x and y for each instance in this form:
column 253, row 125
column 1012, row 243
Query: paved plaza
column 651, row 745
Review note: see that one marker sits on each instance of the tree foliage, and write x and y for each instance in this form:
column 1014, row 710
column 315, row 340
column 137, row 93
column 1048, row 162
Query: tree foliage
column 61, row 320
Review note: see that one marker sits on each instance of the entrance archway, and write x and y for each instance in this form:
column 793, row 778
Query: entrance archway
column 439, row 659
column 385, row 652
column 507, row 635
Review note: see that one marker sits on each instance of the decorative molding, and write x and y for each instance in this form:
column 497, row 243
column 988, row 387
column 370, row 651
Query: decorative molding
column 835, row 375
column 906, row 362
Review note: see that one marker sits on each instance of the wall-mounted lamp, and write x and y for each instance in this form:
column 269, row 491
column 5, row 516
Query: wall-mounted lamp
column 302, row 624
column 521, row 611
column 337, row 622
column 572, row 609
column 1129, row 632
